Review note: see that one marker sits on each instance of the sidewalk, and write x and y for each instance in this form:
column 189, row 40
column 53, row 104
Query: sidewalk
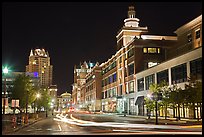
column 9, row 128
column 161, row 120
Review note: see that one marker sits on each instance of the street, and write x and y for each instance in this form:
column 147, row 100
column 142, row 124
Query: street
column 68, row 124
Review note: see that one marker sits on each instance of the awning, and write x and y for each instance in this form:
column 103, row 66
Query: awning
column 139, row 100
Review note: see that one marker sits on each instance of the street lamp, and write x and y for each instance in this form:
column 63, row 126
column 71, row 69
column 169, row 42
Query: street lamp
column 157, row 97
column 53, row 104
column 5, row 71
column 37, row 96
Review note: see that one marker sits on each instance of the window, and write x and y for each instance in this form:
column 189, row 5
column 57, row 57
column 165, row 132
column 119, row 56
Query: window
column 196, row 68
column 152, row 50
column 140, row 83
column 105, row 94
column 130, row 53
column 114, row 77
column 179, row 74
column 162, row 76
column 158, row 50
column 131, row 69
column 109, row 93
column 114, row 92
column 131, row 87
column 110, row 79
column 148, row 81
column 198, row 34
column 144, row 50
column 189, row 38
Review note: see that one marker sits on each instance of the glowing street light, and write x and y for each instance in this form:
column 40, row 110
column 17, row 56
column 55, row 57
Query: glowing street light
column 149, row 96
column 37, row 97
column 5, row 71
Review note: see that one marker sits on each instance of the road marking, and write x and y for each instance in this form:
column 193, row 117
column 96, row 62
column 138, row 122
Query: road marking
column 48, row 129
column 59, row 127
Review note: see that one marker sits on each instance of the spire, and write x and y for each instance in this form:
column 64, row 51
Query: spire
column 131, row 12
column 31, row 52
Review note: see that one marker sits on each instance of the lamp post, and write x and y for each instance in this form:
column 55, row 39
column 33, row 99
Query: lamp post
column 5, row 71
column 37, row 96
column 53, row 104
column 157, row 97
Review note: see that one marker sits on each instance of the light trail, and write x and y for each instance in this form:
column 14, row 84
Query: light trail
column 112, row 124
column 75, row 121
column 59, row 127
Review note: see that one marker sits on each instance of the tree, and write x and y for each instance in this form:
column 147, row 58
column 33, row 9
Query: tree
column 45, row 99
column 176, row 97
column 193, row 92
column 164, row 89
column 149, row 105
column 23, row 90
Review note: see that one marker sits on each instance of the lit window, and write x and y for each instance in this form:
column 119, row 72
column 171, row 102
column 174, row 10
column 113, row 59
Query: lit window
column 158, row 50
column 144, row 50
column 34, row 62
column 152, row 50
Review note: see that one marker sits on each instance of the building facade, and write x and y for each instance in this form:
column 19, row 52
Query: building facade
column 80, row 72
column 39, row 61
column 92, row 96
column 53, row 95
column 64, row 102
column 142, row 59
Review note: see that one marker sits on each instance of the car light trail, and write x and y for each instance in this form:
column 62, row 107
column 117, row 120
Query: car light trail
column 79, row 122
column 59, row 127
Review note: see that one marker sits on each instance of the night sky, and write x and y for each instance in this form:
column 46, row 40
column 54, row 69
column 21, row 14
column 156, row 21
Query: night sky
column 76, row 32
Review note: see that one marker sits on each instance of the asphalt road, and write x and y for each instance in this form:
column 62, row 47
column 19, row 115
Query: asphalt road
column 100, row 125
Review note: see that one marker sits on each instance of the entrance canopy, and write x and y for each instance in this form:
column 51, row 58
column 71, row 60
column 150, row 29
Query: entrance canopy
column 139, row 100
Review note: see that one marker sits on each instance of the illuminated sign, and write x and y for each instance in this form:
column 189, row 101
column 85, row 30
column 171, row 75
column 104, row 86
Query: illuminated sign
column 35, row 74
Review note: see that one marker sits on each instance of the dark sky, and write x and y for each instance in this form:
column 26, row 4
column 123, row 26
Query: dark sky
column 73, row 32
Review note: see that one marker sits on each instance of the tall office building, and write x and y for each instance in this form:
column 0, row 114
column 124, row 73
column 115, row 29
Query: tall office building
column 39, row 62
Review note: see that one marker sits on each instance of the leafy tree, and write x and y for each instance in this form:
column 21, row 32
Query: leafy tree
column 149, row 102
column 149, row 105
column 176, row 98
column 23, row 90
column 193, row 92
column 164, row 89
column 44, row 100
